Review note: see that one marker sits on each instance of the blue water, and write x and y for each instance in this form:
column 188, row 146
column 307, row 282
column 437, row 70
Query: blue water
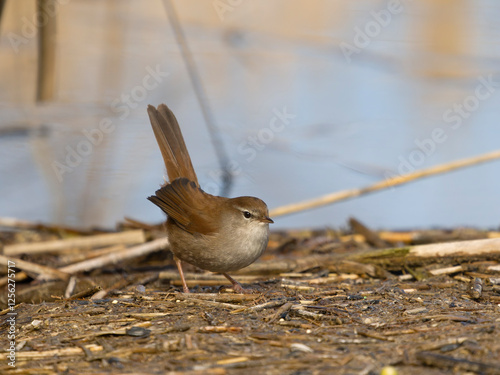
column 351, row 123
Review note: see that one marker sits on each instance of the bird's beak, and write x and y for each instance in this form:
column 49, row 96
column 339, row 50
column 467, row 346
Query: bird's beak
column 267, row 220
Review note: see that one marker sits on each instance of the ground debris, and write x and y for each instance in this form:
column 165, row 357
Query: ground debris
column 323, row 301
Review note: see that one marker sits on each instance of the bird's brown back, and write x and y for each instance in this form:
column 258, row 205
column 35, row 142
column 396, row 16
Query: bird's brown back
column 189, row 207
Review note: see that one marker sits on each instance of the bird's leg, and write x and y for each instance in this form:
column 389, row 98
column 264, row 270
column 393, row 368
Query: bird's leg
column 178, row 263
column 236, row 285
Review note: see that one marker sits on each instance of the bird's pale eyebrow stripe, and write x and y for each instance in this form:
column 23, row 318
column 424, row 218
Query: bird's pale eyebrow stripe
column 242, row 209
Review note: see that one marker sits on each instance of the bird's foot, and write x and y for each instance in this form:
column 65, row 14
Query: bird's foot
column 237, row 286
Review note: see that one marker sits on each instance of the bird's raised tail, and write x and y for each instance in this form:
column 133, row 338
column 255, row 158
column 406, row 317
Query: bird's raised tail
column 171, row 143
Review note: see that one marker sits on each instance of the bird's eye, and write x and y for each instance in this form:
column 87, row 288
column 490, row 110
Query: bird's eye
column 247, row 214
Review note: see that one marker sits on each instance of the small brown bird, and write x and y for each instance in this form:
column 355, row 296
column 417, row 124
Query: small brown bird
column 210, row 232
